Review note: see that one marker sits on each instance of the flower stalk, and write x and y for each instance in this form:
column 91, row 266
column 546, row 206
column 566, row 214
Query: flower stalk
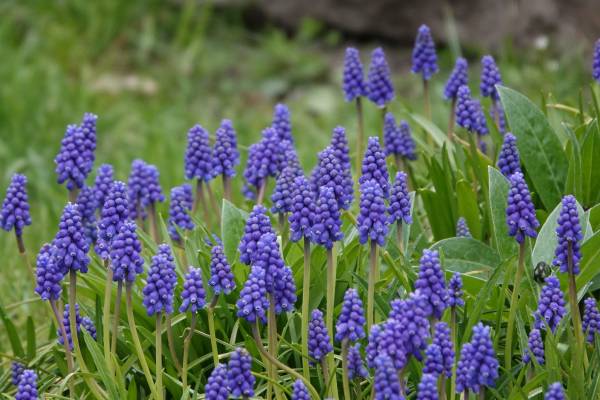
column 305, row 307
column 514, row 305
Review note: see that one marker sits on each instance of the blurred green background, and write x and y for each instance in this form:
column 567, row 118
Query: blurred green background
column 152, row 69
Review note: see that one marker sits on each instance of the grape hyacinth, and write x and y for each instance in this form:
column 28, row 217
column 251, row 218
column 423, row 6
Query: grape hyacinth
column 319, row 342
column 399, row 209
column 535, row 347
column 374, row 166
column 372, row 220
column 462, row 229
column 303, row 210
column 484, row 365
column 591, row 319
column 479, row 121
column 455, row 292
column 386, row 383
column 125, row 254
column 497, row 114
column 179, row 211
column 72, row 161
column 465, row 109
column 351, row 321
column 389, row 339
column 431, row 284
column 596, row 62
column 15, row 207
column 264, row 160
column 356, row 366
column 299, row 391
column 427, row 389
column 410, row 314
column 103, row 184
column 239, row 375
column 329, row 172
column 86, row 203
column 376, row 334
column 463, row 368
column 16, row 370
column 282, row 194
column 354, row 84
column 257, row 224
column 457, row 78
column 380, row 89
column 434, row 362
column 198, row 155
column 221, row 277
column 551, row 305
column 161, row 281
column 136, row 189
column 216, row 387
column 88, row 130
column 226, row 156
column 398, row 140
column 115, row 211
column 193, row 296
column 70, row 247
column 509, row 161
column 282, row 123
column 569, row 234
column 424, row 58
column 555, row 392
column 48, row 276
column 490, row 77
column 27, row 386
column 327, row 223
column 87, row 324
column 339, row 144
column 442, row 338
column 153, row 192
column 520, row 212
column 252, row 304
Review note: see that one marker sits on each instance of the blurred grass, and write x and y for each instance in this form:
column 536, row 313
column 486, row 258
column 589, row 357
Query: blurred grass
column 152, row 69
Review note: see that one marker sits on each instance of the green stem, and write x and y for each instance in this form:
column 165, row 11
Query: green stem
column 171, row 343
column 152, row 216
column 331, row 280
column 261, row 192
column 213, row 202
column 514, row 305
column 23, row 254
column 360, row 137
column 136, row 341
column 186, row 349
column 73, row 196
column 276, row 362
column 451, row 119
column 63, row 333
column 442, row 387
column 282, row 230
column 383, row 112
column 426, row 99
column 94, row 388
column 226, row 187
column 373, row 277
column 399, row 236
column 211, row 329
column 159, row 389
column 200, row 201
column 271, row 339
column 575, row 316
column 453, row 336
column 305, row 308
column 117, row 317
column 106, row 314
column 345, row 382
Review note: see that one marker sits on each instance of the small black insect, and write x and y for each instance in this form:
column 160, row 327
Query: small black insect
column 541, row 272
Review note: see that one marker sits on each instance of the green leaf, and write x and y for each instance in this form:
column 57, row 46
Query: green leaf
column 31, row 342
column 233, row 221
column 100, row 363
column 590, row 261
column 13, row 336
column 468, row 208
column 539, row 147
column 468, row 255
column 499, row 187
column 433, row 130
column 594, row 217
column 590, row 165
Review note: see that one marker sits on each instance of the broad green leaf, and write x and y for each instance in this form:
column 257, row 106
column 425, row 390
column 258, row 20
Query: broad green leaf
column 31, row 343
column 103, row 369
column 468, row 208
column 499, row 187
column 590, row 261
column 13, row 336
column 590, row 165
column 233, row 221
column 539, row 147
column 433, row 130
column 467, row 255
column 594, row 217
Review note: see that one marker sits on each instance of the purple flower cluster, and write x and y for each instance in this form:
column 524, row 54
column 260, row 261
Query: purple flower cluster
column 72, row 161
column 221, row 277
column 462, row 229
column 27, row 386
column 490, row 77
column 193, row 297
column 216, row 387
column 380, row 89
column 509, row 161
column 551, row 305
column 257, row 224
column 179, row 211
column 397, row 139
column 160, row 285
column 264, row 160
column 330, row 172
column 198, row 155
column 15, row 207
column 299, row 391
column 327, row 223
column 84, row 322
column 319, row 342
column 431, row 284
column 455, row 292
column 386, row 383
column 442, row 338
column 424, row 58
column 569, row 236
column 240, row 380
column 87, row 205
column 115, row 211
column 434, row 363
column 303, row 209
column 103, row 184
column 458, row 78
column 372, row 220
column 143, row 188
column 252, row 304
column 353, row 79
column 351, row 321
column 465, row 109
column 226, row 156
column 282, row 123
column 282, row 197
column 374, row 166
column 596, row 62
column 399, row 209
column 555, row 392
column 125, row 254
column 591, row 319
column 70, row 246
column 356, row 366
column 16, row 370
column 48, row 276
column 478, row 364
column 520, row 212
column 427, row 389
column 410, row 314
column 535, row 347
